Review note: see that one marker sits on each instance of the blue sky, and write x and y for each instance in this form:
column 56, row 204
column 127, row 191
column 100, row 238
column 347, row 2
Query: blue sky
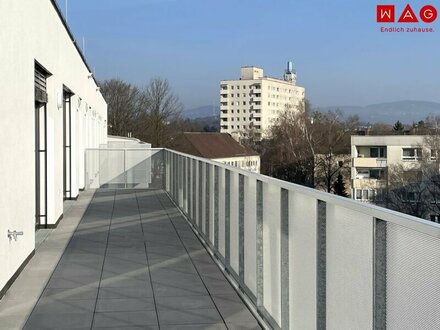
column 337, row 49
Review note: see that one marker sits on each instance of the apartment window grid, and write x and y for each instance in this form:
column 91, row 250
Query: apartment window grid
column 365, row 195
column 411, row 153
column 378, row 152
column 373, row 173
column 251, row 97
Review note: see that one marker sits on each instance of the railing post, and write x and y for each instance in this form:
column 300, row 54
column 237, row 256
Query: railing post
column 284, row 245
column 200, row 200
column 227, row 218
column 176, row 178
column 321, row 265
column 86, row 175
column 194, row 191
column 241, row 227
column 380, row 276
column 207, row 200
column 189, row 190
column 169, row 172
column 125, row 170
column 260, row 247
column 184, row 186
column 216, row 206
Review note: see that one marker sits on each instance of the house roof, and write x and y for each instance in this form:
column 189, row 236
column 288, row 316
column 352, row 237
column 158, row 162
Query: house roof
column 212, row 146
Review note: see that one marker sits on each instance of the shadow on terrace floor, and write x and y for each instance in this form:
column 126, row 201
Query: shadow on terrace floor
column 133, row 262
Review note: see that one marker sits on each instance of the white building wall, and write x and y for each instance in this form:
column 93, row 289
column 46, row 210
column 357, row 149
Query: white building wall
column 360, row 152
column 249, row 163
column 31, row 30
column 240, row 106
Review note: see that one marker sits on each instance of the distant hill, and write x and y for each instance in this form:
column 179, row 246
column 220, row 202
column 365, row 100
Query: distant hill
column 201, row 112
column 405, row 111
column 389, row 113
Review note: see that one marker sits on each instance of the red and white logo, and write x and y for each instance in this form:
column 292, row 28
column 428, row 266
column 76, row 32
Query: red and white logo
column 408, row 16
column 387, row 14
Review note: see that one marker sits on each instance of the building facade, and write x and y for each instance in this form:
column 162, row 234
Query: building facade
column 254, row 102
column 373, row 155
column 51, row 110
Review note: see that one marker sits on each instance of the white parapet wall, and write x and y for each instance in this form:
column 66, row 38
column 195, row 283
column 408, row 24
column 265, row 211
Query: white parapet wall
column 34, row 32
column 125, row 142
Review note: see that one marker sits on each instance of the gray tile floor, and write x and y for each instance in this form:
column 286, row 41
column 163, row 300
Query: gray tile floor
column 134, row 263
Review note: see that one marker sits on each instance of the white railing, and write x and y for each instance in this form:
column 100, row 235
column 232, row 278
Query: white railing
column 124, row 168
column 308, row 259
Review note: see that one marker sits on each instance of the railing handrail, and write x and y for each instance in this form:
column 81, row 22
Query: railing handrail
column 402, row 219
column 378, row 212
column 123, row 149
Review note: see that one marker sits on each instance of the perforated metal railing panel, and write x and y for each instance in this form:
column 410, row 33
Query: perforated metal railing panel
column 413, row 279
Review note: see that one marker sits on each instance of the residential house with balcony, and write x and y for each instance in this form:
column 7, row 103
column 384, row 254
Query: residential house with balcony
column 372, row 156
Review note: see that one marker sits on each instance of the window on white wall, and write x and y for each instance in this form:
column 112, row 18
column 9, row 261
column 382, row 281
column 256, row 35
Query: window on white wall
column 378, row 152
column 362, row 173
column 411, row 153
column 378, row 174
column 364, row 194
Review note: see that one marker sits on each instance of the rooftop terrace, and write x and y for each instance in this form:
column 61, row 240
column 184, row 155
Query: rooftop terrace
column 167, row 234
column 133, row 261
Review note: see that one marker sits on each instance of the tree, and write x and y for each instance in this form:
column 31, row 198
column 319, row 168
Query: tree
column 298, row 172
column 152, row 114
column 288, row 152
column 161, row 114
column 303, row 146
column 398, row 126
column 407, row 190
column 334, row 142
column 431, row 162
column 125, row 103
column 339, row 186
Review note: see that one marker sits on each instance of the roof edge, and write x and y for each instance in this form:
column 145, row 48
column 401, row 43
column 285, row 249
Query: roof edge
column 69, row 32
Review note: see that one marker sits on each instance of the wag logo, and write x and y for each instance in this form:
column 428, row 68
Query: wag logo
column 420, row 19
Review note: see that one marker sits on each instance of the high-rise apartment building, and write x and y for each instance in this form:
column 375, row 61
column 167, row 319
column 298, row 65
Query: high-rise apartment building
column 254, row 102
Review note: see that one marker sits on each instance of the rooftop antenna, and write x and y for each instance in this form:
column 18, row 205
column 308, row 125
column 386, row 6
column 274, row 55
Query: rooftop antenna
column 66, row 10
column 290, row 74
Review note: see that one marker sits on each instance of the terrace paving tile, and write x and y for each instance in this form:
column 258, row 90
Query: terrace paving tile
column 123, row 259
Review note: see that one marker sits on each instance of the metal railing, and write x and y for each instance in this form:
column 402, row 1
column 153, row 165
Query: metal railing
column 124, row 168
column 308, row 259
